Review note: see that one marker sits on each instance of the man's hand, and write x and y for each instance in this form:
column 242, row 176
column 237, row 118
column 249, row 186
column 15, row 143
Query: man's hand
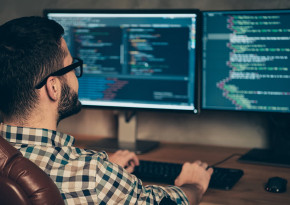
column 194, row 173
column 125, row 159
column 194, row 179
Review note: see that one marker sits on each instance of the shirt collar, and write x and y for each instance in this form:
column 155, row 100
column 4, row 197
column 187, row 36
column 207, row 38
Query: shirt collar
column 37, row 136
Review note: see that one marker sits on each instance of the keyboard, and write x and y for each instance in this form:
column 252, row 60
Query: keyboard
column 163, row 172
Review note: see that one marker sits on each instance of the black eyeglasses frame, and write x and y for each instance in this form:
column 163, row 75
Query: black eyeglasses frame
column 63, row 71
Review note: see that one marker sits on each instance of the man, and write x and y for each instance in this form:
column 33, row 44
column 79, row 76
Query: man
column 38, row 88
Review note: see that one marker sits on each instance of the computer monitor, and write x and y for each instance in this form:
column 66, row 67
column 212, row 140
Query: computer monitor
column 135, row 59
column 245, row 67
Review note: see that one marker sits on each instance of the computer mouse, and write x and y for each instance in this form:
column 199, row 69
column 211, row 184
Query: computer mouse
column 276, row 185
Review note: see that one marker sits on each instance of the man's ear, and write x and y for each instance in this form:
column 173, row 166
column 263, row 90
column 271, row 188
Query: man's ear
column 53, row 88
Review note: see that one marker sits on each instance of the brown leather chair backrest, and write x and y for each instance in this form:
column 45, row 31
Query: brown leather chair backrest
column 23, row 182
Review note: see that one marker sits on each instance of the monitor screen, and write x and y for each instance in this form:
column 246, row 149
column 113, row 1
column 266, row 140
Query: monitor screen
column 246, row 60
column 134, row 59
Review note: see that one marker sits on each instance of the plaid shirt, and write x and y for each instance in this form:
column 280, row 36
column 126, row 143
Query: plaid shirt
column 84, row 176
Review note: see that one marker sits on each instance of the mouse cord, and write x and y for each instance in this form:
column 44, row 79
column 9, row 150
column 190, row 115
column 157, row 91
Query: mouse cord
column 222, row 161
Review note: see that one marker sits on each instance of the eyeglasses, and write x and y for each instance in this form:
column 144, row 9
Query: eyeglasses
column 77, row 65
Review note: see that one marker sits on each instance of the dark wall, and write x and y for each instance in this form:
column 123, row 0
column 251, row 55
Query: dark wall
column 10, row 9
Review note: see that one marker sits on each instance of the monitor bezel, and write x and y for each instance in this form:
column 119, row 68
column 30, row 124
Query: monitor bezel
column 260, row 112
column 197, row 71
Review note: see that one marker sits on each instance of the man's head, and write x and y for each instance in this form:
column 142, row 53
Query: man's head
column 31, row 48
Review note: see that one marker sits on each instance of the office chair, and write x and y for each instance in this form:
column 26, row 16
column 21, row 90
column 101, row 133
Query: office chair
column 22, row 182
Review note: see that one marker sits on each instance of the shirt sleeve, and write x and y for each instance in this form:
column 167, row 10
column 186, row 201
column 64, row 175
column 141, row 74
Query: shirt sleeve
column 116, row 186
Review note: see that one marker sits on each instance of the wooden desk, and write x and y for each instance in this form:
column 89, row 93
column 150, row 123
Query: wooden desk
column 248, row 191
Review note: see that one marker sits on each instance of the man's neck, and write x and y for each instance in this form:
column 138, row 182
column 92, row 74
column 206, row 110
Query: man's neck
column 37, row 122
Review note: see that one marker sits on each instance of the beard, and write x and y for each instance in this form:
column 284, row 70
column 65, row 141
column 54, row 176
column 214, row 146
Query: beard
column 69, row 103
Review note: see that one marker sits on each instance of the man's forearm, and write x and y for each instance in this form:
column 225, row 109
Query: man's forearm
column 193, row 192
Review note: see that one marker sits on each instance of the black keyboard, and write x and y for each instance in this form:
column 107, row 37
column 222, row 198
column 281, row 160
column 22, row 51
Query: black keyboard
column 163, row 172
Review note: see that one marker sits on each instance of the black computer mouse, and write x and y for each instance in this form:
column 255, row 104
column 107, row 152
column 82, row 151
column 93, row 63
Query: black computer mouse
column 276, row 185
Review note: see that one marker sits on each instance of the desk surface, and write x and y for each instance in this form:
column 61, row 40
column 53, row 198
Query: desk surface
column 248, row 191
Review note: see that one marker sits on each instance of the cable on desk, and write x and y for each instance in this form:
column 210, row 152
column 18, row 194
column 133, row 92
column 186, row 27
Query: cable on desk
column 222, row 161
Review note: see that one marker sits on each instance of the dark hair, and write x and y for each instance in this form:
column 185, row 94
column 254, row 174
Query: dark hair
column 30, row 49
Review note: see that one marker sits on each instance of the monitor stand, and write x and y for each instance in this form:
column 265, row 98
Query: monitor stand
column 265, row 157
column 127, row 137
column 278, row 153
